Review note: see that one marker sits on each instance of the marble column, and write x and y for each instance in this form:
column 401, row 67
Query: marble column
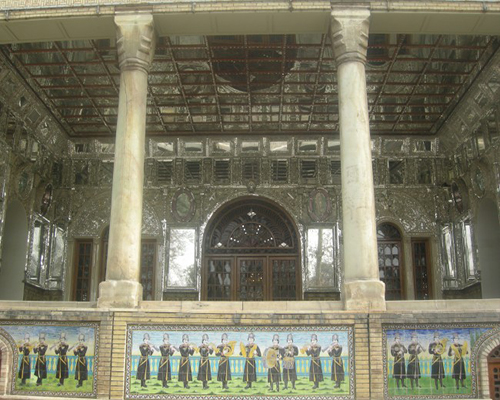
column 362, row 288
column 135, row 47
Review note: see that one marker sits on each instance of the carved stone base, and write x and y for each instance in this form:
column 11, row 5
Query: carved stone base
column 119, row 294
column 368, row 295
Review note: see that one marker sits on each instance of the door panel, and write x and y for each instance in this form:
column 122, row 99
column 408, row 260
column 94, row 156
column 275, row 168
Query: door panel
column 251, row 285
column 494, row 378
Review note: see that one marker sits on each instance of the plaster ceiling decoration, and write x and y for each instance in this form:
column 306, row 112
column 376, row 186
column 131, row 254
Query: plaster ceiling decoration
column 254, row 84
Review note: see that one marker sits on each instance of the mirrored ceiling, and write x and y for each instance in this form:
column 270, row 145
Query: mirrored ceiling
column 274, row 84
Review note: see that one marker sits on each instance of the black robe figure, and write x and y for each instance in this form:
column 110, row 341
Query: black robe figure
column 274, row 372
column 413, row 370
column 398, row 351
column 165, row 369
column 224, row 350
column 185, row 375
column 315, row 370
column 290, row 351
column 458, row 351
column 41, row 362
column 437, row 348
column 144, row 369
column 62, row 369
column 25, row 366
column 204, row 370
column 335, row 351
column 250, row 351
column 81, row 367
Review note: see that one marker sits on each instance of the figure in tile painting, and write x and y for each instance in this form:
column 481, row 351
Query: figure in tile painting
column 80, row 352
column 273, row 356
column 165, row 369
column 458, row 351
column 335, row 351
column 41, row 363
column 144, row 369
column 224, row 351
column 186, row 349
column 315, row 370
column 204, row 370
column 62, row 368
column 437, row 347
column 413, row 370
column 25, row 367
column 290, row 351
column 250, row 351
column 398, row 351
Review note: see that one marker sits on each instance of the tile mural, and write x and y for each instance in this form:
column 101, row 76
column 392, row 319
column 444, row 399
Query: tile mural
column 53, row 359
column 429, row 361
column 172, row 362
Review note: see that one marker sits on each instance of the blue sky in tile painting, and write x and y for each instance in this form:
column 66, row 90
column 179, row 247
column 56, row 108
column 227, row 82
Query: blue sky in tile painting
column 262, row 338
column 52, row 334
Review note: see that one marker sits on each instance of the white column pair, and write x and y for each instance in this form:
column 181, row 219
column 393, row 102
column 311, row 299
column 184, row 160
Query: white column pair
column 362, row 288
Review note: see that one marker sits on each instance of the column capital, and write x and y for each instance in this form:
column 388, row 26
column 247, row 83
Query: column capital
column 135, row 41
column 349, row 34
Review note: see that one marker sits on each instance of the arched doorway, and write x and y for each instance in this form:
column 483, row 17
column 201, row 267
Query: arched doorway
column 488, row 238
column 390, row 255
column 251, row 252
column 494, row 373
column 15, row 239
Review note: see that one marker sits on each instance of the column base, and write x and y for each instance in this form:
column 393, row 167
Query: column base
column 364, row 295
column 119, row 294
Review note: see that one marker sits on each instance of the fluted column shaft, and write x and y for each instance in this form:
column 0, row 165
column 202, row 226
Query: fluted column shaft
column 135, row 46
column 362, row 288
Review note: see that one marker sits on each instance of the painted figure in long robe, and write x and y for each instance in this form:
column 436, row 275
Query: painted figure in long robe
column 335, row 351
column 250, row 351
column 165, row 368
column 144, row 368
column 290, row 351
column 204, row 370
column 224, row 350
column 398, row 351
column 413, row 370
column 41, row 362
column 315, row 369
column 62, row 368
column 437, row 348
column 81, row 368
column 274, row 371
column 25, row 366
column 186, row 349
column 458, row 351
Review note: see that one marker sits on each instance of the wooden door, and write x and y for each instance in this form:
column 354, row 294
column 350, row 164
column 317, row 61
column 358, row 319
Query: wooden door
column 494, row 378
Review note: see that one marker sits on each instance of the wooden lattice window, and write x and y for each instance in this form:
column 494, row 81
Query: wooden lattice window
column 494, row 373
column 421, row 270
column 389, row 260
column 148, row 261
column 83, row 271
